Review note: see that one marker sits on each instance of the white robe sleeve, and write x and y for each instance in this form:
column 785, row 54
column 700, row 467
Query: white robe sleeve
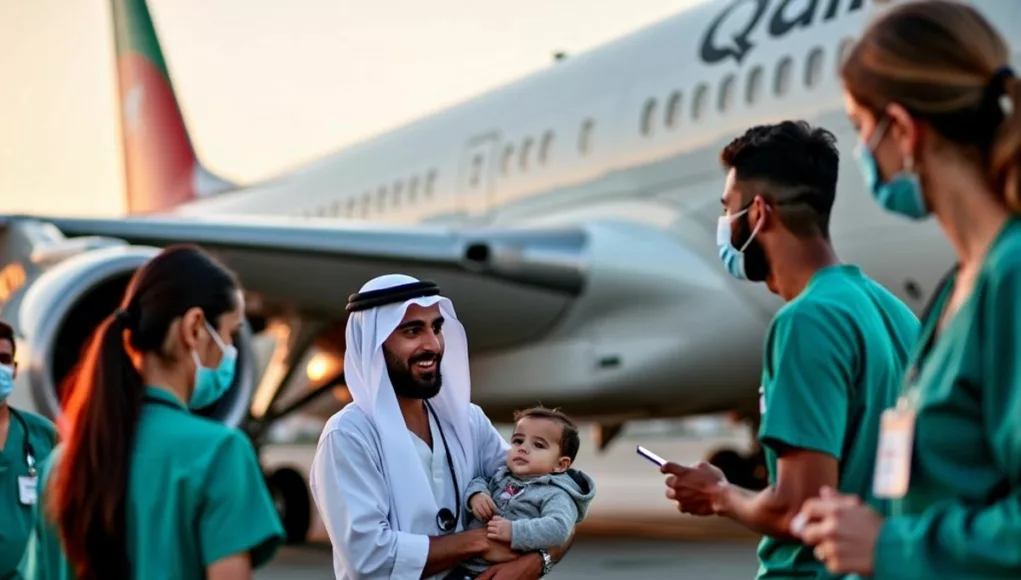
column 350, row 492
column 490, row 446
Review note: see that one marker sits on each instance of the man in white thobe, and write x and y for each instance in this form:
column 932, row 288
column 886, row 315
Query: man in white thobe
column 391, row 468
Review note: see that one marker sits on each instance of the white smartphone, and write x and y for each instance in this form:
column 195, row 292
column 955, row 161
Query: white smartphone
column 651, row 456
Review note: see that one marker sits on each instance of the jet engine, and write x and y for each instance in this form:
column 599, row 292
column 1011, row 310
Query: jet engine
column 66, row 289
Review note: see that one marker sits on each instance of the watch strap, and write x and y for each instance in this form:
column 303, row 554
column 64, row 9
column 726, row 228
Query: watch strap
column 547, row 562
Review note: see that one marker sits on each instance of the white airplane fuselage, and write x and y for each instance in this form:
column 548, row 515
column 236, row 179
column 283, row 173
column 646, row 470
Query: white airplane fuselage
column 628, row 135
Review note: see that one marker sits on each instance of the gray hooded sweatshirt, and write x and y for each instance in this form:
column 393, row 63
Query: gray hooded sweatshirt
column 543, row 509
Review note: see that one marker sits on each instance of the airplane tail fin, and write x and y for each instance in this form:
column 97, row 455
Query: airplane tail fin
column 161, row 168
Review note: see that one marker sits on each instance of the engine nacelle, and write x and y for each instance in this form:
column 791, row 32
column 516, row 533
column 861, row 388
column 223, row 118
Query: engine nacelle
column 56, row 312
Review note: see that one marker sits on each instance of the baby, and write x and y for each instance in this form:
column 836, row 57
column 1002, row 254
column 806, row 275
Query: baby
column 533, row 501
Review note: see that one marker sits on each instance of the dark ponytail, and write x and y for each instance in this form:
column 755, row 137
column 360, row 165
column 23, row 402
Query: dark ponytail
column 102, row 408
column 91, row 484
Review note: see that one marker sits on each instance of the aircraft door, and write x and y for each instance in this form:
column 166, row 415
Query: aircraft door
column 477, row 174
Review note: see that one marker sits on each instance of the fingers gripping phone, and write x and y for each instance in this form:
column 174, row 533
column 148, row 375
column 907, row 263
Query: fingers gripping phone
column 651, row 456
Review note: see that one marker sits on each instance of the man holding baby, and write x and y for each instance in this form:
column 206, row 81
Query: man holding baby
column 392, row 470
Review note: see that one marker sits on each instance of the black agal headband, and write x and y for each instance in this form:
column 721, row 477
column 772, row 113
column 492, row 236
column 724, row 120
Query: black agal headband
column 373, row 298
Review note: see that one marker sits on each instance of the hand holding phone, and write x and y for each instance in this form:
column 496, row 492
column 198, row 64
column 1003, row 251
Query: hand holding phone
column 651, row 456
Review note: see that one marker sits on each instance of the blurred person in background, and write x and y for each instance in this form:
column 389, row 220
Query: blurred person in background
column 938, row 111
column 26, row 439
column 141, row 487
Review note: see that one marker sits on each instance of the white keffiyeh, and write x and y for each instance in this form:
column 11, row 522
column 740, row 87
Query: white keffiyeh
column 371, row 390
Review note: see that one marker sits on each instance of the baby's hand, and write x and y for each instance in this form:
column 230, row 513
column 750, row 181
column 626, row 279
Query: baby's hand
column 482, row 506
column 499, row 529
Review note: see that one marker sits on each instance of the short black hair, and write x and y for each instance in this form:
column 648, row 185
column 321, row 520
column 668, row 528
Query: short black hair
column 570, row 442
column 7, row 333
column 795, row 167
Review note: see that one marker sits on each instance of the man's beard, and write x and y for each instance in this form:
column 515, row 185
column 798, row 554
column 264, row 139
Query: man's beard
column 406, row 384
column 756, row 264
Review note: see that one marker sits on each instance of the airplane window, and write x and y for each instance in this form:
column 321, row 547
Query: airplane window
column 476, row 171
column 585, row 136
column 381, row 199
column 699, row 103
column 526, row 149
column 813, row 68
column 726, row 96
column 544, row 149
column 398, row 186
column 647, row 113
column 508, row 155
column 412, row 189
column 754, row 88
column 845, row 49
column 430, row 182
column 673, row 109
column 782, row 82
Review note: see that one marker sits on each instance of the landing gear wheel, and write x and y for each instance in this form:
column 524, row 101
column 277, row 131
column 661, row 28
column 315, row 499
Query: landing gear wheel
column 290, row 496
column 748, row 472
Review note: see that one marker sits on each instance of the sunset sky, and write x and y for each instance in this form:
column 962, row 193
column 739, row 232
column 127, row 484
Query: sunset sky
column 264, row 85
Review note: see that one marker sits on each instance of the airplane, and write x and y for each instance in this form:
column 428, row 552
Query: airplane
column 570, row 216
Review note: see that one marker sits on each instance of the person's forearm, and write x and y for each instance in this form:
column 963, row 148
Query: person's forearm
column 558, row 552
column 762, row 512
column 445, row 552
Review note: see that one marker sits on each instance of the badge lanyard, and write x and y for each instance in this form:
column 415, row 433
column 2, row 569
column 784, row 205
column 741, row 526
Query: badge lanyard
column 445, row 519
column 28, row 491
column 27, row 445
column 892, row 475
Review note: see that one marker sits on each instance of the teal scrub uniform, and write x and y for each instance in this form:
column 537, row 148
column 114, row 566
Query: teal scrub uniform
column 195, row 495
column 15, row 514
column 961, row 514
column 835, row 358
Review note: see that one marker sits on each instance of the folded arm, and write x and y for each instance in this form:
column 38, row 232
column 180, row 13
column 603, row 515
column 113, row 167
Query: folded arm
column 552, row 528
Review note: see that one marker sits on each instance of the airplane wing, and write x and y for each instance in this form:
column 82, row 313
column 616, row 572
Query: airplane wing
column 507, row 285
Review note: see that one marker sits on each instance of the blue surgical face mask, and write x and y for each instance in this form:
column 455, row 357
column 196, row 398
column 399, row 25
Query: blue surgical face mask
column 902, row 194
column 733, row 258
column 211, row 384
column 6, row 382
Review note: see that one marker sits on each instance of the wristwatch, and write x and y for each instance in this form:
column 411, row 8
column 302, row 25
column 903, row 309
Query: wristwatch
column 547, row 562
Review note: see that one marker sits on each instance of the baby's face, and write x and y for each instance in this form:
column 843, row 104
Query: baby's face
column 535, row 448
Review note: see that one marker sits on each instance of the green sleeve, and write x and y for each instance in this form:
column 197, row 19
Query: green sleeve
column 237, row 514
column 810, row 364
column 952, row 539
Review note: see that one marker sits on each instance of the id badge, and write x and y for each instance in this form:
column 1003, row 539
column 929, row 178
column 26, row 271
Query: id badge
column 893, row 458
column 762, row 400
column 27, row 489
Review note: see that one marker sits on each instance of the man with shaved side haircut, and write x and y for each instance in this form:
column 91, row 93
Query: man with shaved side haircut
column 835, row 353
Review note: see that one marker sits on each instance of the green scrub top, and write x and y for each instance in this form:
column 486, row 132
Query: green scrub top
column 835, row 358
column 961, row 515
column 16, row 516
column 196, row 494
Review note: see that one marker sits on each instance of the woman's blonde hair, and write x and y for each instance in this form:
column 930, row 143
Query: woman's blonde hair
column 944, row 63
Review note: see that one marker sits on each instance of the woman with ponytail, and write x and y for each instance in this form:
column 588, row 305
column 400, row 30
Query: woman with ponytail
column 937, row 108
column 142, row 488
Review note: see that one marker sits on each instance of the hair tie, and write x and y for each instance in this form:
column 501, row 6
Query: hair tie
column 996, row 90
column 123, row 316
column 1001, row 74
